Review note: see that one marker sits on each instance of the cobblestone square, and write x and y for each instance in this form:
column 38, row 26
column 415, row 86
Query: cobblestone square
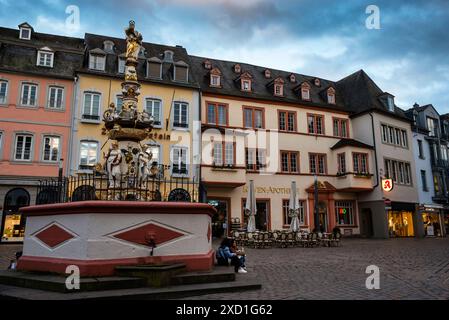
column 409, row 269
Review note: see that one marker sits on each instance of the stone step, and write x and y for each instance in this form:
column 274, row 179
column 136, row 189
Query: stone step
column 203, row 277
column 172, row 292
column 57, row 283
column 154, row 275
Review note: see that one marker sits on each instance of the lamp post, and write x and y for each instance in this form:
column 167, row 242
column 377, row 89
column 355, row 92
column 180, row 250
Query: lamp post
column 61, row 161
column 317, row 218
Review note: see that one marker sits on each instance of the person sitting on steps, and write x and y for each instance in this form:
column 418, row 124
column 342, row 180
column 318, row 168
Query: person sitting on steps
column 224, row 254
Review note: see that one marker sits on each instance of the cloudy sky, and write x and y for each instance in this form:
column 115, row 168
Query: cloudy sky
column 408, row 56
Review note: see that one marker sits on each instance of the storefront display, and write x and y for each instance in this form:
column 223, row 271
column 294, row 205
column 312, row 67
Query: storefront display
column 220, row 218
column 13, row 224
column 400, row 224
column 432, row 224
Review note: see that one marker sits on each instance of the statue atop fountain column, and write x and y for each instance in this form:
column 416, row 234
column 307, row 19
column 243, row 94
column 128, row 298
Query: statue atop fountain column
column 133, row 41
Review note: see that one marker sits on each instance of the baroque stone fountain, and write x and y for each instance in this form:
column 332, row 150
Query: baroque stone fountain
column 98, row 236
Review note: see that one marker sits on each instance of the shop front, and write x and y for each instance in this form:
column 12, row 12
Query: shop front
column 220, row 220
column 13, row 224
column 433, row 217
column 401, row 220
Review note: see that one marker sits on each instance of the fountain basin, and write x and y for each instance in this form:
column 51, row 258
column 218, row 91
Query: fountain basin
column 97, row 236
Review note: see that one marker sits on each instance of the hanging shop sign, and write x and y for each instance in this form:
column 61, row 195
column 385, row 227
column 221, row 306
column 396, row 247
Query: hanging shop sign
column 387, row 185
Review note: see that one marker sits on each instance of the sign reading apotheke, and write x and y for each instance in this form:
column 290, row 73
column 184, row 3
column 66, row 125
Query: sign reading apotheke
column 272, row 190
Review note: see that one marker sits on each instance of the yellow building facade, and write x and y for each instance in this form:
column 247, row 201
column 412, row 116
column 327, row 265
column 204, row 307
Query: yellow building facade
column 172, row 99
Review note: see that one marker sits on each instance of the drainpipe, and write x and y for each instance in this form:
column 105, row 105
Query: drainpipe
column 375, row 152
column 202, row 191
column 73, row 113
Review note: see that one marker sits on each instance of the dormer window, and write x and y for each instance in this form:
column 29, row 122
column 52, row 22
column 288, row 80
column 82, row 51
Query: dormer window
column 267, row 74
column 154, row 68
column 237, row 68
column 390, row 103
column 142, row 52
column 245, row 81
column 121, row 65
column 215, row 77
column 207, row 65
column 305, row 91
column 97, row 60
column 108, row 46
column 331, row 95
column 292, row 78
column 168, row 56
column 45, row 58
column 181, row 71
column 25, row 31
column 278, row 87
column 246, row 85
column 317, row 82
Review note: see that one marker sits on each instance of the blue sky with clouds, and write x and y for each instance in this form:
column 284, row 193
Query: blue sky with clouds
column 408, row 56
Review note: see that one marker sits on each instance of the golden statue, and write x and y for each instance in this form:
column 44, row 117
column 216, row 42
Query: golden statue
column 133, row 41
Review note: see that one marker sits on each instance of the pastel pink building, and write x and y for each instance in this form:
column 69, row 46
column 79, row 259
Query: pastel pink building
column 37, row 80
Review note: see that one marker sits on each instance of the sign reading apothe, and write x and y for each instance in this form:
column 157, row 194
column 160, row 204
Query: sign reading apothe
column 387, row 185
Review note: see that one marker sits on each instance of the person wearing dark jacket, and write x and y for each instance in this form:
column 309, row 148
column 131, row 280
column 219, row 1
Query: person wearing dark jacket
column 224, row 254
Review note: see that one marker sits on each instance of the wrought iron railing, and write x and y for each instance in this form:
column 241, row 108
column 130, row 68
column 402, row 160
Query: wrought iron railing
column 101, row 187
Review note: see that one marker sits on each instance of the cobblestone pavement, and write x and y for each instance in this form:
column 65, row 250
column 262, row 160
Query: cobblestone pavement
column 8, row 253
column 409, row 269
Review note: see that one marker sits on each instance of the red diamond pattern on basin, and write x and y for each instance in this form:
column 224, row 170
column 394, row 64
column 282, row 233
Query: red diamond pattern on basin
column 54, row 235
column 139, row 235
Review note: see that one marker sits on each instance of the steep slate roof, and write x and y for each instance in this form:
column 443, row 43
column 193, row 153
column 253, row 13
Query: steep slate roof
column 152, row 51
column 260, row 84
column 17, row 55
column 351, row 143
column 361, row 94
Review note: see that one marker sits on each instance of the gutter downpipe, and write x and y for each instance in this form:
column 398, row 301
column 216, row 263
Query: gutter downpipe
column 375, row 151
column 73, row 113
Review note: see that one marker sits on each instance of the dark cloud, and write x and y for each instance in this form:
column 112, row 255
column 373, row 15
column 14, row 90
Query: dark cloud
column 407, row 56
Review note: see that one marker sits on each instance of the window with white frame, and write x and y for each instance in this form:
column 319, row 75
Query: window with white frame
column 3, row 91
column 278, row 89
column 344, row 212
column 156, row 153
column 180, row 116
column 25, row 33
column 154, row 108
column 360, row 163
column 51, row 148
column 399, row 171
column 301, row 211
column 305, row 91
column 23, row 147
column 223, row 153
column 91, row 109
column 121, row 65
column 88, row 154
column 215, row 80
column 29, row 95
column 394, row 136
column 45, row 59
column 341, row 159
column 179, row 160
column 55, row 97
column 97, row 62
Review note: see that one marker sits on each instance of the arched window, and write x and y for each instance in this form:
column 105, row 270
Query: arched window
column 47, row 195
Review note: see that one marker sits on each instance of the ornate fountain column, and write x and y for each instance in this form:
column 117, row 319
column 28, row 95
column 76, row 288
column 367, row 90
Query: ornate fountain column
column 127, row 160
